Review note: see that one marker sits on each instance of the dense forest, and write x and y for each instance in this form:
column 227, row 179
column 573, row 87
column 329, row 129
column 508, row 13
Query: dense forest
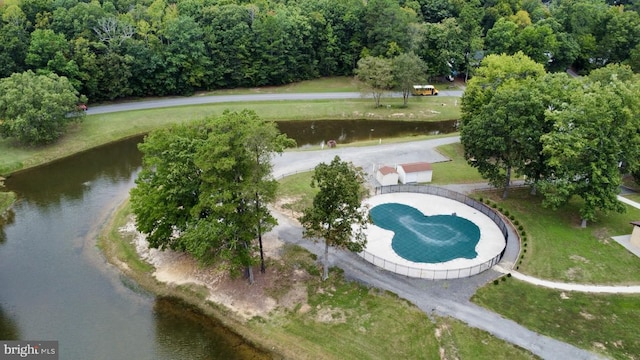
column 133, row 48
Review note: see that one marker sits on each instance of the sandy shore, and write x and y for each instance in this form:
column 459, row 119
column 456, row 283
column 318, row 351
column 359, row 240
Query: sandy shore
column 177, row 268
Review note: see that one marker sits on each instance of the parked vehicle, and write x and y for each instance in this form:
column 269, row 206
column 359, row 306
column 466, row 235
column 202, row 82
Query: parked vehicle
column 424, row 90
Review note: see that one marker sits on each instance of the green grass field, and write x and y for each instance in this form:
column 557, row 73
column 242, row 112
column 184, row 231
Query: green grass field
column 601, row 323
column 346, row 320
column 456, row 171
column 558, row 249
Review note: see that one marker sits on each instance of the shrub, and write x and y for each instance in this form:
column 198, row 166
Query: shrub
column 506, row 213
column 496, row 282
column 509, row 275
column 520, row 227
column 480, row 199
column 512, row 218
column 503, row 278
column 494, row 206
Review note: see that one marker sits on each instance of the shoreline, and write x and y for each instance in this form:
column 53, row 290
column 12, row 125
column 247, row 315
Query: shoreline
column 211, row 290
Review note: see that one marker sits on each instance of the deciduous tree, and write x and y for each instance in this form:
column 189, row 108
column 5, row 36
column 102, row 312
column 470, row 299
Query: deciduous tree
column 205, row 185
column 36, row 109
column 376, row 74
column 337, row 214
column 592, row 137
column 408, row 70
column 501, row 110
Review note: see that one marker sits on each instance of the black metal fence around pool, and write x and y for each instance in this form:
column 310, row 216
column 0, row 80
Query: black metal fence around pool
column 440, row 273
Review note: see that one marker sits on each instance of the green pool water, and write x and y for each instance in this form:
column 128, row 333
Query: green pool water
column 427, row 239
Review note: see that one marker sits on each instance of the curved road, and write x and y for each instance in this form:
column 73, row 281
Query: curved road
column 445, row 298
column 211, row 99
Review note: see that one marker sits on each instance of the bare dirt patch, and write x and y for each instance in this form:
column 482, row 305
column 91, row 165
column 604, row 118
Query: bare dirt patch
column 586, row 315
column 579, row 258
column 236, row 294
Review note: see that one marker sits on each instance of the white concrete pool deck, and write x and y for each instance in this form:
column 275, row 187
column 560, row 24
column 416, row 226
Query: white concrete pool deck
column 379, row 240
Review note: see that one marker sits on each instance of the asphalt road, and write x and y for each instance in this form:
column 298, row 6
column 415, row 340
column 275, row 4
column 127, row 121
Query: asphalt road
column 212, row 99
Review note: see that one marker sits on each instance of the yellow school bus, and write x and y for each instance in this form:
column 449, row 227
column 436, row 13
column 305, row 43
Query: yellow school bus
column 424, row 90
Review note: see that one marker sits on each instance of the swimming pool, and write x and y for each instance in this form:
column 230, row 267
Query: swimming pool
column 472, row 242
column 427, row 239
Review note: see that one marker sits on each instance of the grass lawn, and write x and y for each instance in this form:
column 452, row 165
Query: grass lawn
column 330, row 84
column 101, row 129
column 633, row 197
column 558, row 249
column 295, row 192
column 607, row 324
column 457, row 170
column 346, row 320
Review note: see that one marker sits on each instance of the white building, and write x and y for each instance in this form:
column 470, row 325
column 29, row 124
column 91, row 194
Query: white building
column 386, row 175
column 419, row 172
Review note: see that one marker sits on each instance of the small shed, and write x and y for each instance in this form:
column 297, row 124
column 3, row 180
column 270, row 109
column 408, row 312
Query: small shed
column 635, row 234
column 419, row 172
column 386, row 175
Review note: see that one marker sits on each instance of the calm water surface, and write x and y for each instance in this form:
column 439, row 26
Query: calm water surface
column 347, row 131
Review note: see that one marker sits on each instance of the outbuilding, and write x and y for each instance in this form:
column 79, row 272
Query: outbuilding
column 635, row 234
column 386, row 175
column 418, row 172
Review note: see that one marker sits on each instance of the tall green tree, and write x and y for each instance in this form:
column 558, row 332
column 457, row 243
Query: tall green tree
column 376, row 75
column 592, row 137
column 408, row 70
column 205, row 185
column 262, row 142
column 386, row 23
column 501, row 109
column 337, row 214
column 14, row 40
column 469, row 21
column 36, row 109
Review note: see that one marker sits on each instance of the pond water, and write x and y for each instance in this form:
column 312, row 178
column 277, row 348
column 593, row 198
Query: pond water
column 309, row 133
column 55, row 284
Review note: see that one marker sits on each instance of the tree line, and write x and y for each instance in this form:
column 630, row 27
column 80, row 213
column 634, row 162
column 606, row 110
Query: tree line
column 125, row 48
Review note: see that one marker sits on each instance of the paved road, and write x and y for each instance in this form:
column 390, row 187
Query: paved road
column 445, row 297
column 210, row 99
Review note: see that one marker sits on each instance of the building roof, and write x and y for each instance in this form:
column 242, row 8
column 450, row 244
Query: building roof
column 416, row 167
column 386, row 170
column 636, row 223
